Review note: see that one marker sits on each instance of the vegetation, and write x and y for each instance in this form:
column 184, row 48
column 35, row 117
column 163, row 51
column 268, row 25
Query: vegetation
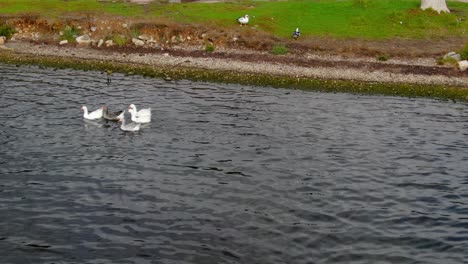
column 7, row 30
column 209, row 48
column 377, row 19
column 464, row 52
column 70, row 33
column 279, row 49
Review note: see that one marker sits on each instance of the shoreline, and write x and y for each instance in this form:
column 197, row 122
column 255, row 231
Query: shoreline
column 322, row 72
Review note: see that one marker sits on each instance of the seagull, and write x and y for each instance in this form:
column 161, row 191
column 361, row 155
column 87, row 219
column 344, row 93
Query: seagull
column 243, row 20
column 296, row 34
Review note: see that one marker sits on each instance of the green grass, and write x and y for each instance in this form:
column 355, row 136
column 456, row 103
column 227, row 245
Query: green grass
column 7, row 31
column 279, row 49
column 367, row 19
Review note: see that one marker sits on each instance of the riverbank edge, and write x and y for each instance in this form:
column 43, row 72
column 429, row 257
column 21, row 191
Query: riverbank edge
column 411, row 90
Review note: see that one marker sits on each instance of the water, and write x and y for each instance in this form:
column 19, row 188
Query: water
column 227, row 174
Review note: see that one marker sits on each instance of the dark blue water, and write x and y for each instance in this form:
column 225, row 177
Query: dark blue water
column 227, row 174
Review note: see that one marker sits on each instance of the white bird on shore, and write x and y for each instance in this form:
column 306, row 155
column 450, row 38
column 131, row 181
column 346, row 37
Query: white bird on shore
column 243, row 20
column 96, row 114
column 296, row 33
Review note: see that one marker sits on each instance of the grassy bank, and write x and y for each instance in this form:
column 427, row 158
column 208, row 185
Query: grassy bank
column 392, row 89
column 368, row 19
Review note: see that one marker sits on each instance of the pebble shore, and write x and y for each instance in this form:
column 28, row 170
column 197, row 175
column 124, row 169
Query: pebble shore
column 334, row 72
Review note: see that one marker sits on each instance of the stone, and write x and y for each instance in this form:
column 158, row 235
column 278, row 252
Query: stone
column 109, row 43
column 100, row 42
column 463, row 65
column 453, row 55
column 2, row 40
column 63, row 42
column 84, row 39
column 138, row 42
column 145, row 37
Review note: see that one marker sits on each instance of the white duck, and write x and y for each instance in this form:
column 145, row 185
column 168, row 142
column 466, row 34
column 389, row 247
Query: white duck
column 243, row 20
column 129, row 126
column 142, row 112
column 139, row 118
column 96, row 114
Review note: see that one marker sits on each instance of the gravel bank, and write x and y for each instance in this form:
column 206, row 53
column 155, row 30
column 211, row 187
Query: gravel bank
column 307, row 66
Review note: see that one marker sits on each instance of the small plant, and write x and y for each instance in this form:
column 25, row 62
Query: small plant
column 7, row 31
column 448, row 61
column 383, row 57
column 70, row 33
column 464, row 52
column 120, row 40
column 209, row 48
column 279, row 49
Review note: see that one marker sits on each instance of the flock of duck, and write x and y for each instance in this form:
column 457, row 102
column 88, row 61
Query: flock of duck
column 137, row 117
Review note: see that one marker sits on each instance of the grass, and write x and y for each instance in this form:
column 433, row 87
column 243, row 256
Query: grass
column 279, row 49
column 70, row 33
column 464, row 52
column 7, row 31
column 366, row 19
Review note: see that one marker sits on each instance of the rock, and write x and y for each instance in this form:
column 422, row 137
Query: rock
column 63, row 42
column 125, row 25
column 145, row 37
column 85, row 40
column 453, row 55
column 101, row 41
column 2, row 40
column 138, row 42
column 109, row 43
column 93, row 29
column 463, row 65
column 166, row 54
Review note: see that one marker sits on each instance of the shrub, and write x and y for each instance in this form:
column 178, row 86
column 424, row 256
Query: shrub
column 383, row 57
column 279, row 49
column 464, row 52
column 70, row 33
column 120, row 40
column 209, row 48
column 7, row 31
column 447, row 61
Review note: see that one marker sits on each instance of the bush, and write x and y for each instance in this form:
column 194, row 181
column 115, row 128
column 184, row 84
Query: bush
column 383, row 57
column 447, row 61
column 70, row 33
column 7, row 31
column 209, row 48
column 120, row 40
column 464, row 52
column 279, row 49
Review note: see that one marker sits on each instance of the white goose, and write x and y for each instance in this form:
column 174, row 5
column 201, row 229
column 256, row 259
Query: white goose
column 139, row 118
column 129, row 126
column 96, row 114
column 243, row 20
column 142, row 112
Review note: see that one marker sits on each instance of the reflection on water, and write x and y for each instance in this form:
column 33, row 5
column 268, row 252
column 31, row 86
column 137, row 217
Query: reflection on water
column 227, row 174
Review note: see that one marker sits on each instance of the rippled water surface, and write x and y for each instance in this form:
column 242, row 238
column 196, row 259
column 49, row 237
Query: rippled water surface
column 227, row 174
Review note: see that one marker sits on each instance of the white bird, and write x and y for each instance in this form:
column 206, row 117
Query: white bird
column 96, row 114
column 142, row 112
column 129, row 126
column 243, row 20
column 139, row 118
column 296, row 33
